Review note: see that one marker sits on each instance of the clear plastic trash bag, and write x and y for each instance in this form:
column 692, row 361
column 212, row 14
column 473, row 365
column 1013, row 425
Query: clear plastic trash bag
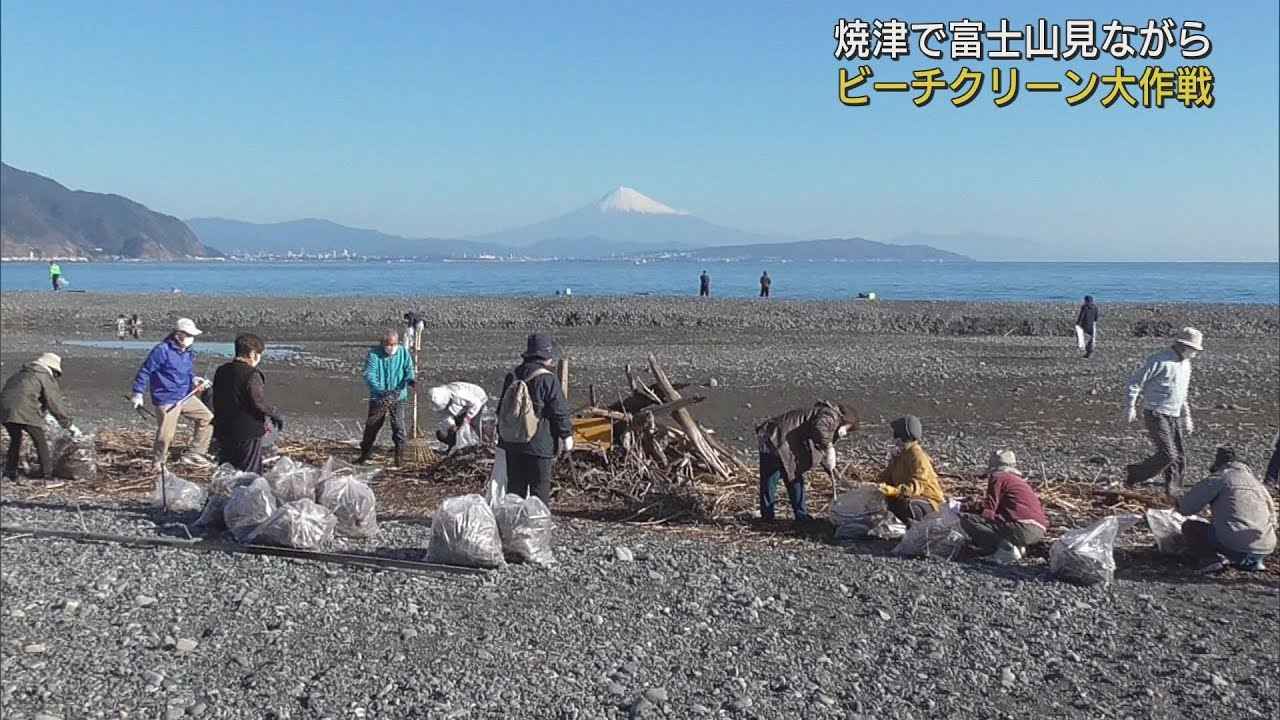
column 1085, row 555
column 177, row 495
column 293, row 480
column 936, row 535
column 862, row 513
column 1166, row 526
column 301, row 524
column 467, row 437
column 248, row 507
column 352, row 501
column 465, row 532
column 497, row 486
column 227, row 478
column 211, row 518
column 335, row 468
column 525, row 526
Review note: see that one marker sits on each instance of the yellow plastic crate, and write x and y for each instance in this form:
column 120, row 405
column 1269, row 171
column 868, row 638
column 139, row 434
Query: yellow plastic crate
column 593, row 430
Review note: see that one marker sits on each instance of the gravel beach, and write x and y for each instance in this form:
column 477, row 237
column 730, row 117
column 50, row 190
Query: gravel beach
column 693, row 626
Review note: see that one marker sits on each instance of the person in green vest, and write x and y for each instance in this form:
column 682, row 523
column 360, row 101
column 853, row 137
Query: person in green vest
column 55, row 275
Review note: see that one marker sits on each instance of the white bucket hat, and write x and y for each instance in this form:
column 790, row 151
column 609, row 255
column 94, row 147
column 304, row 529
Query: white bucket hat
column 188, row 326
column 1190, row 337
column 440, row 397
column 51, row 361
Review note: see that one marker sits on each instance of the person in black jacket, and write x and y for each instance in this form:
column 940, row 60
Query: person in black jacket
column 529, row 464
column 1087, row 319
column 240, row 410
column 704, row 285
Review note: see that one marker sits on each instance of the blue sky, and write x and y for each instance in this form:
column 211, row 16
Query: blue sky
column 441, row 120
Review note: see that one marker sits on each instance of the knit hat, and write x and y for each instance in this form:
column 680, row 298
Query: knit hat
column 50, row 361
column 1002, row 461
column 907, row 428
column 538, row 347
column 1190, row 337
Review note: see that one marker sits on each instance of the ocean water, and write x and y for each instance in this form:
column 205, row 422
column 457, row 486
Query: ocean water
column 1107, row 282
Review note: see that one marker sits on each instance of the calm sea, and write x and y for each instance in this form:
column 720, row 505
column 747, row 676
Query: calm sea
column 1108, row 282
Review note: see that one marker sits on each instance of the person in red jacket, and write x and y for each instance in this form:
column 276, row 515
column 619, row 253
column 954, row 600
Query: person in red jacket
column 1011, row 517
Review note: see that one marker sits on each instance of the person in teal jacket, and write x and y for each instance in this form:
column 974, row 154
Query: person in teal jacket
column 389, row 373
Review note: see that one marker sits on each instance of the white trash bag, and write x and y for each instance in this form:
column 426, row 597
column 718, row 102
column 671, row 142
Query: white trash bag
column 525, row 526
column 301, row 524
column 497, row 486
column 293, row 480
column 464, row 532
column 227, row 478
column 1080, row 337
column 1166, row 526
column 862, row 513
column 353, row 503
column 249, row 507
column 1084, row 556
column 467, row 437
column 335, row 468
column 937, row 535
column 177, row 495
column 211, row 518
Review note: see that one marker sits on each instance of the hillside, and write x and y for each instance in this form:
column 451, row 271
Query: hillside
column 835, row 249
column 322, row 236
column 38, row 215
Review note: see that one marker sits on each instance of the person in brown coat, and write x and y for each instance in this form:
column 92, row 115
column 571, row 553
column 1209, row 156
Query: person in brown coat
column 787, row 446
column 27, row 395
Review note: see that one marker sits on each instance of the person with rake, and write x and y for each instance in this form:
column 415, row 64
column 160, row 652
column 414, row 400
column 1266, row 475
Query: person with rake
column 389, row 373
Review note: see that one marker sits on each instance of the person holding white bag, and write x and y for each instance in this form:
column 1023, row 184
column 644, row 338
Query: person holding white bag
column 1087, row 325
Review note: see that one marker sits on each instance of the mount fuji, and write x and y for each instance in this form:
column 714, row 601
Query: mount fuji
column 623, row 222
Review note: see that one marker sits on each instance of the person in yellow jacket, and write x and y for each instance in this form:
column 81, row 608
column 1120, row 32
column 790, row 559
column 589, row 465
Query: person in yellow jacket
column 909, row 483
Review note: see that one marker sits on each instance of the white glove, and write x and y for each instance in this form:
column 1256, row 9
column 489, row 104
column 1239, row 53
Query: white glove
column 203, row 382
column 136, row 400
column 1131, row 414
column 566, row 445
column 829, row 460
column 1188, row 426
column 452, row 421
column 75, row 431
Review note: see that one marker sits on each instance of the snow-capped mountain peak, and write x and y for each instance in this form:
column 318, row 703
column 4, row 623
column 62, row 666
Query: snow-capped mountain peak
column 626, row 200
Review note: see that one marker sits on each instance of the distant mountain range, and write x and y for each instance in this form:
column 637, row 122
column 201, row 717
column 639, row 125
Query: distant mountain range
column 37, row 215
column 42, row 217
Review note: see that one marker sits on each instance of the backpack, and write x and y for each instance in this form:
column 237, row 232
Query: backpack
column 517, row 421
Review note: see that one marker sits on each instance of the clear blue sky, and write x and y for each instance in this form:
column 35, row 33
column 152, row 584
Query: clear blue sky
column 428, row 119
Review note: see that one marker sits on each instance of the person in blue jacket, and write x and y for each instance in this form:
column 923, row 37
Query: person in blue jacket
column 389, row 373
column 169, row 373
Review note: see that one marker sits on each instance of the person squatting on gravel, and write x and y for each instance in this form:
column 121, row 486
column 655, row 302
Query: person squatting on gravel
column 1163, row 382
column 27, row 395
column 169, row 371
column 1087, row 321
column 1009, row 518
column 1242, row 530
column 909, row 483
column 459, row 403
column 529, row 462
column 240, row 410
column 787, row 444
column 389, row 373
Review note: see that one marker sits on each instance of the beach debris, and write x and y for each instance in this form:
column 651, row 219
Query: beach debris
column 177, row 494
column 301, row 523
column 352, row 502
column 525, row 526
column 465, row 532
column 1084, row 556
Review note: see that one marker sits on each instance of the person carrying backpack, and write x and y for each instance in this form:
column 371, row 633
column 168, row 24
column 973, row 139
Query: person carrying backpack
column 533, row 421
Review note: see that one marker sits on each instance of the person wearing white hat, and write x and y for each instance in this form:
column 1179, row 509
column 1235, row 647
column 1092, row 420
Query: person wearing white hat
column 27, row 395
column 1163, row 383
column 169, row 372
column 1010, row 517
column 459, row 404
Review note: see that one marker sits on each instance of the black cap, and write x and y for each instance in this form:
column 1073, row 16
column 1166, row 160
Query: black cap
column 538, row 346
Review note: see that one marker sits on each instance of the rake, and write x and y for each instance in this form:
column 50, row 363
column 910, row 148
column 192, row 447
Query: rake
column 418, row 448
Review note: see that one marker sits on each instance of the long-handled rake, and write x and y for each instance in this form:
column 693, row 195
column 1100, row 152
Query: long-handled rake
column 418, row 448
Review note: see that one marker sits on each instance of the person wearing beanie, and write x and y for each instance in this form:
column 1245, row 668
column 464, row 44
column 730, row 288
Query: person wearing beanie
column 1164, row 382
column 388, row 373
column 528, row 462
column 1087, row 322
column 459, row 404
column 909, row 483
column 1009, row 518
column 787, row 444
column 1242, row 528
column 27, row 395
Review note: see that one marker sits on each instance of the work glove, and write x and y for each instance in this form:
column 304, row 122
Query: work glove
column 1130, row 414
column 277, row 420
column 566, row 445
column 137, row 401
column 201, row 384
column 75, row 431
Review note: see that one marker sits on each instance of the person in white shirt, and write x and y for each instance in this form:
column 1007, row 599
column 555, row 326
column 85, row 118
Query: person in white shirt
column 1163, row 382
column 460, row 403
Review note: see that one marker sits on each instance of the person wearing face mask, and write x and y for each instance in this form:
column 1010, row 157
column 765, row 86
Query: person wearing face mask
column 1163, row 382
column 169, row 372
column 389, row 373
column 240, row 409
column 909, row 483
column 787, row 444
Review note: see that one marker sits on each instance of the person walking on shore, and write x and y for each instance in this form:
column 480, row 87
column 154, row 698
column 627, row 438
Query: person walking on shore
column 533, row 421
column 704, row 285
column 55, row 275
column 135, row 327
column 1010, row 517
column 122, row 326
column 169, row 373
column 787, row 444
column 240, row 409
column 1163, row 382
column 414, row 327
column 1087, row 323
column 1242, row 528
column 909, row 483
column 389, row 373
column 766, row 283
column 27, row 395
